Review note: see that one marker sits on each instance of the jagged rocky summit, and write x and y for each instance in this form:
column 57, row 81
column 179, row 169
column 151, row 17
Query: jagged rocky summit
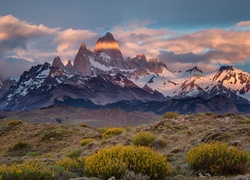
column 102, row 78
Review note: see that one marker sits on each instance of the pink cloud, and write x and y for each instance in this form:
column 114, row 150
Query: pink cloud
column 243, row 24
column 11, row 27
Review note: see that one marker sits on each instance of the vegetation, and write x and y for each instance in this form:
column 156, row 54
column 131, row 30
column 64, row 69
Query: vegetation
column 32, row 154
column 114, row 161
column 217, row 159
column 170, row 115
column 14, row 122
column 75, row 154
column 58, row 148
column 72, row 165
column 31, row 170
column 143, row 139
column 83, row 125
column 53, row 134
column 86, row 141
column 20, row 146
column 111, row 132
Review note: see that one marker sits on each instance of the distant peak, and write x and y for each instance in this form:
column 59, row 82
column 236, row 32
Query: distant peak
column 83, row 45
column 69, row 64
column 107, row 37
column 107, row 42
column 57, row 62
column 194, row 70
column 226, row 68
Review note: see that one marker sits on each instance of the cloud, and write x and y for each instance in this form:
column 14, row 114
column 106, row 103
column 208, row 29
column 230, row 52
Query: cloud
column 217, row 46
column 16, row 37
column 243, row 24
column 69, row 41
column 39, row 43
column 15, row 33
column 28, row 44
column 136, row 38
column 13, row 67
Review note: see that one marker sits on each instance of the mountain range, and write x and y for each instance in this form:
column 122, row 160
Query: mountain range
column 103, row 78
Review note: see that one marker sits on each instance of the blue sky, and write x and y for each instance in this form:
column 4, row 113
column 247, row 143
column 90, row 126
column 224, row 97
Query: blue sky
column 181, row 33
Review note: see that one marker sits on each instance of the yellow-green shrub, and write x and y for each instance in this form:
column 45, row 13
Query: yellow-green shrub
column 83, row 125
column 114, row 161
column 170, row 115
column 112, row 132
column 86, row 141
column 217, row 159
column 143, row 138
column 31, row 170
column 15, row 122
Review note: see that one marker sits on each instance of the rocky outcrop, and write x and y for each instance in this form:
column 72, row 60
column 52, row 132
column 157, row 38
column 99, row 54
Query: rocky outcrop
column 70, row 68
column 57, row 62
column 81, row 62
column 143, row 66
column 5, row 86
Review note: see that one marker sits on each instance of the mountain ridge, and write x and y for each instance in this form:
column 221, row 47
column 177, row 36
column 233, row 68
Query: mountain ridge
column 104, row 77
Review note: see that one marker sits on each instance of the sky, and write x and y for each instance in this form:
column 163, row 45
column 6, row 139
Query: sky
column 180, row 33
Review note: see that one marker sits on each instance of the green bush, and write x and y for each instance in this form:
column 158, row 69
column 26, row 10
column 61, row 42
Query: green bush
column 143, row 139
column 114, row 161
column 170, row 115
column 111, row 132
column 31, row 170
column 217, row 159
column 14, row 122
column 86, row 141
column 32, row 154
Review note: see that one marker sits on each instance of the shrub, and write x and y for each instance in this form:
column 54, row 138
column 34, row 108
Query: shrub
column 53, row 134
column 85, row 142
column 114, row 161
column 61, row 174
column 32, row 170
column 131, row 175
column 20, row 146
column 217, row 159
column 111, row 132
column 14, row 122
column 75, row 154
column 72, row 165
column 143, row 139
column 83, row 125
column 170, row 115
column 159, row 143
column 32, row 154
